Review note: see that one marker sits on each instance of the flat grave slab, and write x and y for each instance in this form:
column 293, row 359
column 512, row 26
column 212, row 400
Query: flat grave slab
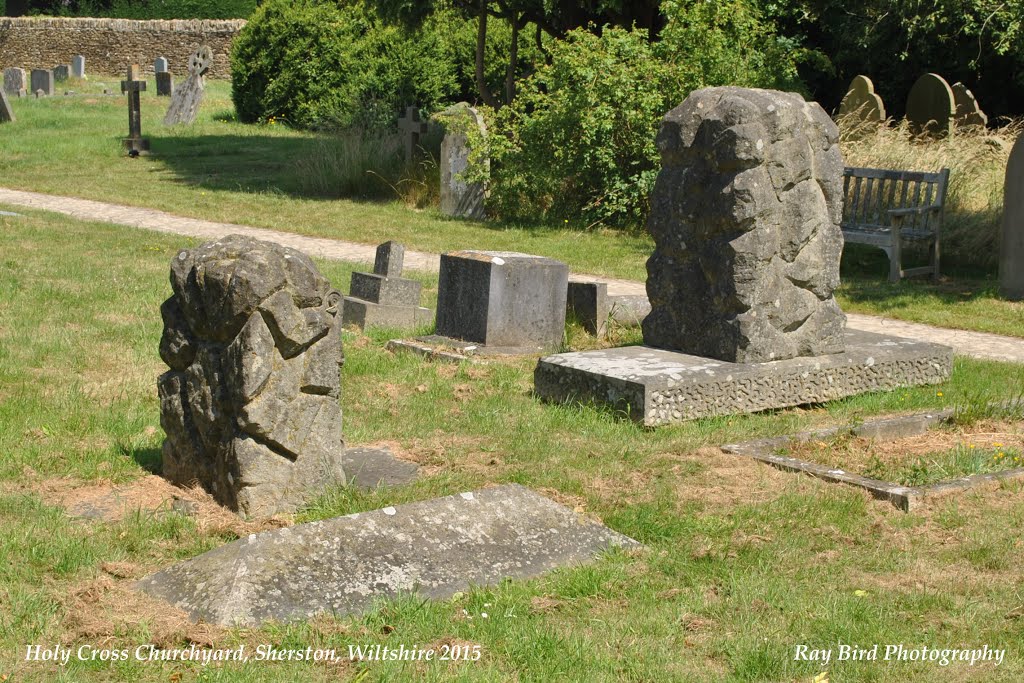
column 434, row 548
column 658, row 387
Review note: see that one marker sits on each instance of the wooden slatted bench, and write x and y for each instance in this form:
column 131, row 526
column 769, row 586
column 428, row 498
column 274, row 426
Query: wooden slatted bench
column 886, row 209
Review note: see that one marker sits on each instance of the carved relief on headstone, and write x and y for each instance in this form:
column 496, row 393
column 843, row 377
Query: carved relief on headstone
column 968, row 111
column 1011, row 253
column 189, row 95
column 931, row 107
column 250, row 405
column 861, row 109
column 463, row 196
column 745, row 218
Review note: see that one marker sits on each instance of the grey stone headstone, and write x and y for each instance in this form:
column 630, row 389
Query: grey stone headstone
column 14, row 81
column 968, row 111
column 160, row 65
column 389, row 259
column 78, row 66
column 164, row 84
column 594, row 308
column 383, row 298
column 61, row 72
column 188, row 95
column 502, row 299
column 42, row 79
column 250, row 403
column 342, row 566
column 1011, row 253
column 6, row 113
column 745, row 219
column 931, row 107
column 411, row 128
column 861, row 108
column 459, row 198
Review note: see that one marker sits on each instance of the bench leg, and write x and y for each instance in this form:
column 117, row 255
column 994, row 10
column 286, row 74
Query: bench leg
column 935, row 253
column 895, row 261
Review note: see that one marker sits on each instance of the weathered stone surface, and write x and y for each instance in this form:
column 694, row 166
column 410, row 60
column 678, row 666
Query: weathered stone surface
column 594, row 308
column 968, row 111
column 657, row 387
column 434, row 548
column 42, row 79
column 931, row 107
column 14, row 81
column 389, row 259
column 464, row 127
column 78, row 66
column 371, row 468
column 502, row 299
column 164, row 84
column 61, row 72
column 250, row 404
column 383, row 298
column 6, row 113
column 861, row 109
column 745, row 218
column 186, row 100
column 1011, row 253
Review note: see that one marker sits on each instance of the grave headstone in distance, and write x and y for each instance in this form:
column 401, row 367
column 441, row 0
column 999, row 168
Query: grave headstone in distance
column 411, row 128
column 464, row 127
column 133, row 86
column 6, row 113
column 384, row 298
column 1011, row 253
column 189, row 94
column 42, row 80
column 931, row 107
column 78, row 66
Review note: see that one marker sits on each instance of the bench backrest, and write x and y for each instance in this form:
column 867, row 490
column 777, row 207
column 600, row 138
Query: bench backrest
column 869, row 193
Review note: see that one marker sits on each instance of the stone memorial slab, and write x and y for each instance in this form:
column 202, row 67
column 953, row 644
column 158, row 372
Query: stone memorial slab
column 1011, row 252
column 189, row 95
column 342, row 566
column 6, row 113
column 14, row 81
column 164, row 84
column 507, row 301
column 78, row 66
column 861, row 109
column 931, row 107
column 595, row 309
column 968, row 111
column 42, row 79
column 160, row 65
column 61, row 72
column 383, row 298
column 745, row 219
column 464, row 127
column 250, row 405
column 658, row 387
column 411, row 128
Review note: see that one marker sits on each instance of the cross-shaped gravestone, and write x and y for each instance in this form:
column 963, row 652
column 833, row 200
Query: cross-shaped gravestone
column 134, row 86
column 412, row 128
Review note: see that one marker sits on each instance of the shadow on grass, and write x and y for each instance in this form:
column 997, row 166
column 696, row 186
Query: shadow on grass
column 149, row 459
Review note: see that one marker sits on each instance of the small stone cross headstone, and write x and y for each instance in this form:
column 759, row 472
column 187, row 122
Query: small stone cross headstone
column 411, row 128
column 186, row 99
column 464, row 127
column 160, row 65
column 14, row 81
column 61, row 72
column 78, row 66
column 968, row 111
column 384, row 298
column 1011, row 254
column 930, row 107
column 6, row 113
column 134, row 86
column 861, row 109
column 42, row 80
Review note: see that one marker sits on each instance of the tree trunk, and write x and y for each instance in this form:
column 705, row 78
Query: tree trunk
column 513, row 61
column 481, row 43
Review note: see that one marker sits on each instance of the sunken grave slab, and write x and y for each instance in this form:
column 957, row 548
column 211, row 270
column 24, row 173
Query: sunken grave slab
column 658, row 387
column 434, row 548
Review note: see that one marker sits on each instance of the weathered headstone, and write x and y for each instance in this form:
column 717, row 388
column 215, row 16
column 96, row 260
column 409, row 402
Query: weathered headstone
column 745, row 220
column 189, row 95
column 411, row 128
column 930, row 107
column 42, row 79
column 1011, row 253
column 594, row 308
column 861, row 109
column 160, row 65
column 133, row 86
column 464, row 130
column 250, row 405
column 384, row 298
column 510, row 302
column 6, row 113
column 968, row 111
column 345, row 565
column 164, row 84
column 78, row 66
column 61, row 72
column 14, row 81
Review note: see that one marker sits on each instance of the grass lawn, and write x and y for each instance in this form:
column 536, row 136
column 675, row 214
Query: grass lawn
column 742, row 562
column 222, row 170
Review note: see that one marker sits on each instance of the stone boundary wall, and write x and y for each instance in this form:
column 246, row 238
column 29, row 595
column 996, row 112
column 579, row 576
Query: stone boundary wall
column 110, row 45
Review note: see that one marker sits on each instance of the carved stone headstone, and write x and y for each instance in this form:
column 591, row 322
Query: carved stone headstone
column 464, row 127
column 745, row 218
column 930, row 107
column 6, row 113
column 968, row 111
column 133, row 86
column 411, row 128
column 189, row 95
column 164, row 84
column 61, row 72
column 14, row 81
column 250, row 405
column 384, row 298
column 78, row 66
column 861, row 108
column 1011, row 253
column 42, row 79
column 160, row 65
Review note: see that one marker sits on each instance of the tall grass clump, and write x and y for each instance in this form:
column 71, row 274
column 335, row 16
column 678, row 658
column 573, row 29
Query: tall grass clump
column 976, row 158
